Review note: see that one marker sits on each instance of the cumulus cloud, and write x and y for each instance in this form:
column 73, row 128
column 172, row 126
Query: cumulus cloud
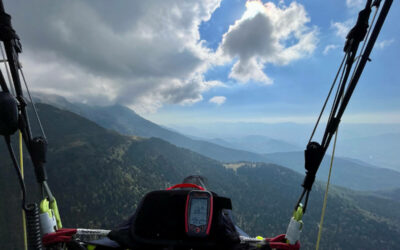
column 355, row 3
column 219, row 100
column 138, row 53
column 329, row 48
column 342, row 28
column 266, row 33
column 383, row 44
column 144, row 54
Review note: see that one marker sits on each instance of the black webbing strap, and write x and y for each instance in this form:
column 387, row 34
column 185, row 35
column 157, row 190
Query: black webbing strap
column 7, row 33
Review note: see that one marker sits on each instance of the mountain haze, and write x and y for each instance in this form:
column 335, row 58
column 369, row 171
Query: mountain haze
column 347, row 173
column 374, row 143
column 257, row 144
column 380, row 150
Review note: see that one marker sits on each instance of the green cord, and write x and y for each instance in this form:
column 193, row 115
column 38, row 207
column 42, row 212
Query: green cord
column 326, row 193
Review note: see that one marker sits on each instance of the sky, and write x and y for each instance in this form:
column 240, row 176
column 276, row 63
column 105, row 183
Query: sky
column 196, row 62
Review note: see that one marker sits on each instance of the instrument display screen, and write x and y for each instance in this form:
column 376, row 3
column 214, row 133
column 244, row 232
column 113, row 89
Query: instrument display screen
column 198, row 212
column 199, row 207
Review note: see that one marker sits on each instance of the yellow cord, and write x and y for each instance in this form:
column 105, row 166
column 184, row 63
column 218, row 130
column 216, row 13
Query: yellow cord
column 326, row 193
column 21, row 164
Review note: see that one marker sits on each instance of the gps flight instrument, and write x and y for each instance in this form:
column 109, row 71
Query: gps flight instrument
column 198, row 215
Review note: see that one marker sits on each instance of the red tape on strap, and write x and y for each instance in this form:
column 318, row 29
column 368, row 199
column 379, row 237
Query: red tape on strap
column 278, row 242
column 186, row 185
column 61, row 235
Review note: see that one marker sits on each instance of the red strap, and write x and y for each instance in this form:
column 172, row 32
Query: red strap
column 186, row 185
column 279, row 238
column 61, row 235
column 278, row 242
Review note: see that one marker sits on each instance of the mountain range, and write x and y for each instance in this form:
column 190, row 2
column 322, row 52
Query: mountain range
column 99, row 176
column 347, row 173
column 374, row 143
column 126, row 121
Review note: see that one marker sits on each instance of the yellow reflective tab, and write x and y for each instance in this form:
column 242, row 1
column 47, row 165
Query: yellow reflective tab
column 91, row 247
column 54, row 207
column 45, row 208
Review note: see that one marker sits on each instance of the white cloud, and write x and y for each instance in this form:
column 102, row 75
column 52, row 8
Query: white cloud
column 144, row 54
column 219, row 100
column 250, row 69
column 342, row 28
column 329, row 48
column 139, row 53
column 383, row 44
column 266, row 33
column 355, row 3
